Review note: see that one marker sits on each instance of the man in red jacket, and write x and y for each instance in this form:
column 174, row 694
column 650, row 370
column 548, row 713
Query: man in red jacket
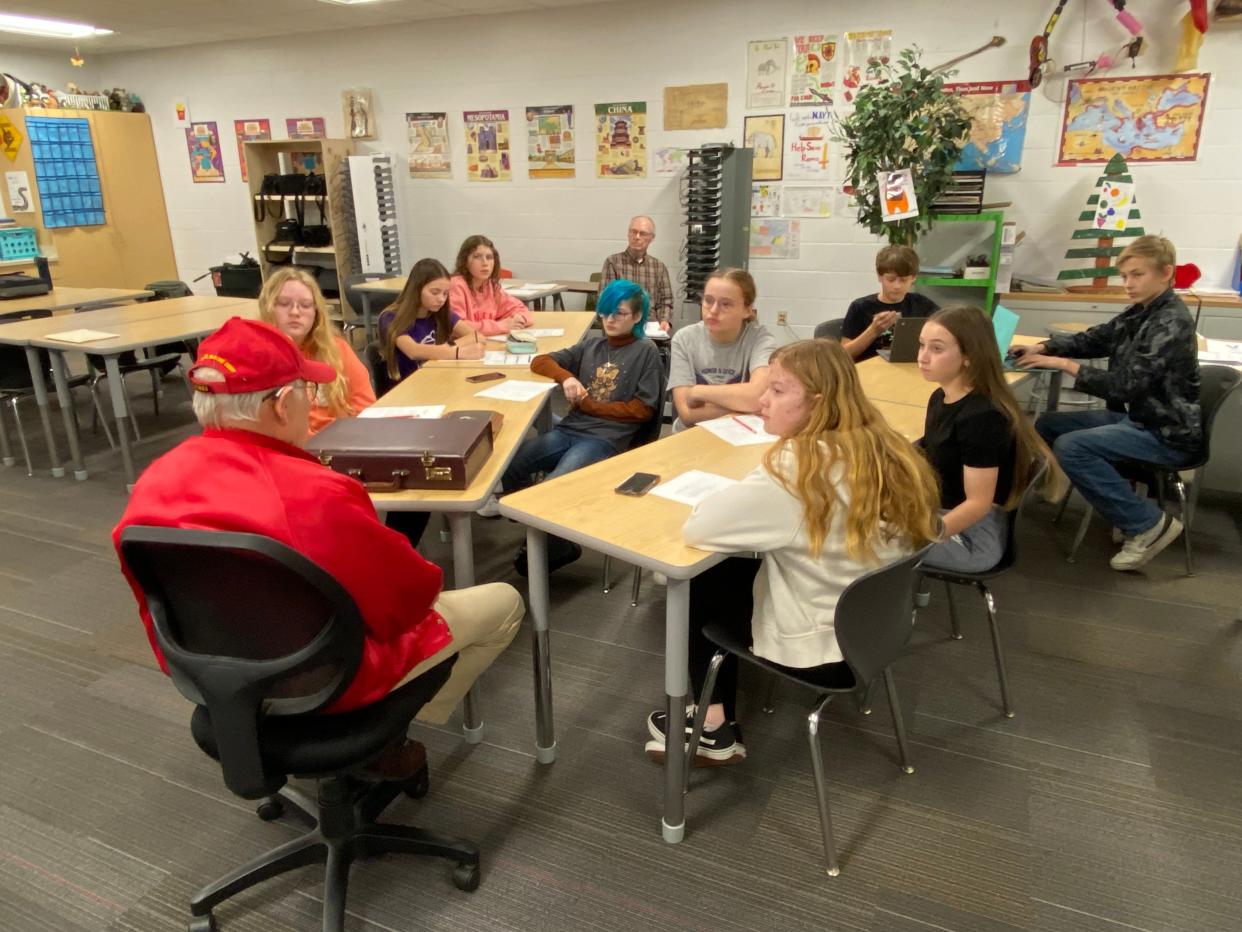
column 247, row 472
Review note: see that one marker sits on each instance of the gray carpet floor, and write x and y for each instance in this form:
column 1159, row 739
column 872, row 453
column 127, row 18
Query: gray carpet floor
column 1111, row 802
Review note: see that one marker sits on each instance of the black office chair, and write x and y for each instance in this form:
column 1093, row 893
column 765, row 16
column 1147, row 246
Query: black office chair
column 1216, row 384
column 648, row 433
column 830, row 329
column 258, row 670
column 873, row 621
column 16, row 385
column 373, row 357
column 979, row 581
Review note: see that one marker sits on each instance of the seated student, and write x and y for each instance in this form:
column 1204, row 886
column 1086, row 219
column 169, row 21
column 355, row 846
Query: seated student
column 870, row 319
column 841, row 494
column 420, row 325
column 720, row 365
column 247, row 472
column 612, row 384
column 476, row 294
column 976, row 438
column 292, row 302
column 1152, row 389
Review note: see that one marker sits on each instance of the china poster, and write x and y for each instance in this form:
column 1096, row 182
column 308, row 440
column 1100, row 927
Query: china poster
column 621, row 140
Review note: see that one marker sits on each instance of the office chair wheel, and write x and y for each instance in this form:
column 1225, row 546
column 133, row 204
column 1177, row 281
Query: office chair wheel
column 465, row 877
column 203, row 923
column 270, row 809
column 417, row 786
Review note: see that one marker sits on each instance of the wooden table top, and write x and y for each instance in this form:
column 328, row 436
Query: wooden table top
column 579, row 287
column 1190, row 296
column 65, row 297
column 134, row 333
column 111, row 318
column 574, row 323
column 384, row 285
column 397, row 282
column 448, row 386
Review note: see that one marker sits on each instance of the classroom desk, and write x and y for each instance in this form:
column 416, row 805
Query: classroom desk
column 579, row 287
column 574, row 323
column 135, row 326
column 448, row 386
column 391, row 287
column 20, row 333
column 645, row 532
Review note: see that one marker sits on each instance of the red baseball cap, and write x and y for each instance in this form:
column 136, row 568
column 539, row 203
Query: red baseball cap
column 253, row 356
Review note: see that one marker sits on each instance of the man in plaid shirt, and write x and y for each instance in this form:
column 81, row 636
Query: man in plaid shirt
column 634, row 264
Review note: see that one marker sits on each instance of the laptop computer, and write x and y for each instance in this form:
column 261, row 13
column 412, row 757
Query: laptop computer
column 1005, row 325
column 905, row 345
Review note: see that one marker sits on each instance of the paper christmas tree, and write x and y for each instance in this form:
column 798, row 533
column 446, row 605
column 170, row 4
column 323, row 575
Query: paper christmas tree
column 1112, row 213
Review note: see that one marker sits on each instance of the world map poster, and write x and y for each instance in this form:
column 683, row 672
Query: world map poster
column 1158, row 118
column 998, row 112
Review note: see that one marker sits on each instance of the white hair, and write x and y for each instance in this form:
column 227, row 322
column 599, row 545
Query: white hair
column 215, row 410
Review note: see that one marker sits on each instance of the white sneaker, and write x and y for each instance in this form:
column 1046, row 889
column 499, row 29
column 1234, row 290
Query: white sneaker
column 1138, row 550
column 491, row 507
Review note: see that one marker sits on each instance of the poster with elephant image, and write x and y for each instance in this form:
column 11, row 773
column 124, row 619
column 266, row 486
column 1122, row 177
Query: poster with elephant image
column 765, row 73
column 766, row 136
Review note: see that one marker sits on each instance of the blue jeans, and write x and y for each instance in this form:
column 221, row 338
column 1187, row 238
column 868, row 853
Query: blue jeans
column 554, row 453
column 1088, row 444
column 976, row 549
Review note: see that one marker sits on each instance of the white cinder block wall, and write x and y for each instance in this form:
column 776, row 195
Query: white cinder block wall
column 631, row 51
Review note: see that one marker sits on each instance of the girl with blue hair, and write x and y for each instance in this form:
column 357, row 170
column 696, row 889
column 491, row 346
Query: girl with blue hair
column 612, row 383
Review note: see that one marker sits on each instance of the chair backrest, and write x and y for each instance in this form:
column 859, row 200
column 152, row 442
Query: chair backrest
column 1014, row 518
column 14, row 370
column 373, row 356
column 650, row 431
column 830, row 329
column 594, row 295
column 351, row 295
column 249, row 628
column 168, row 288
column 875, row 616
column 1216, row 383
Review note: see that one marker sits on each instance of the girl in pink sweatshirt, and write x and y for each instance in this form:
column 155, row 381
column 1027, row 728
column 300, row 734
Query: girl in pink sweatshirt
column 475, row 293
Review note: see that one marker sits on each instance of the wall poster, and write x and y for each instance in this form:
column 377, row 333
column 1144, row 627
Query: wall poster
column 806, row 149
column 813, row 78
column 1156, row 118
column 765, row 73
column 696, row 106
column 621, row 140
column 775, row 239
column 866, row 54
column 206, row 163
column 765, row 134
column 765, row 200
column 429, row 145
column 249, row 131
column 550, row 141
column 305, row 128
column 808, row 201
column 487, row 145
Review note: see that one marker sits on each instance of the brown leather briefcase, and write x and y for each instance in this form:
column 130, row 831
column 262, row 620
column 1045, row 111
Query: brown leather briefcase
column 391, row 454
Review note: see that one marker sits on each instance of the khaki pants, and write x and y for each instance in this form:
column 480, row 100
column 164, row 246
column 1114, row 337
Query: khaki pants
column 483, row 620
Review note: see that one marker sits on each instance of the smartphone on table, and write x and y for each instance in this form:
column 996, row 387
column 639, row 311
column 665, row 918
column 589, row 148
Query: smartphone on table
column 485, row 377
column 638, row 484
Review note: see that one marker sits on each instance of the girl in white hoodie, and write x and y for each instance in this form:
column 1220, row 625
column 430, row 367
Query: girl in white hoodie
column 840, row 495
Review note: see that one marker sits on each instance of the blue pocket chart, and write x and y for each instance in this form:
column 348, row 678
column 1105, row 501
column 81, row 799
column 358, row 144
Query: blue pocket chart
column 65, row 171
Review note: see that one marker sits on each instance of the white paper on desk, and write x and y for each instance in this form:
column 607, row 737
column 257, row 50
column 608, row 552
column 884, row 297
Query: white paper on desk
column 692, row 487
column 411, row 411
column 80, row 336
column 516, row 390
column 497, row 358
column 526, row 292
column 1222, row 349
column 741, row 430
column 536, row 286
column 653, row 331
column 538, row 332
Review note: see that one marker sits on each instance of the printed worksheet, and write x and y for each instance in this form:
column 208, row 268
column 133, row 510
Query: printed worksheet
column 409, row 411
column 516, row 390
column 497, row 358
column 692, row 487
column 740, row 430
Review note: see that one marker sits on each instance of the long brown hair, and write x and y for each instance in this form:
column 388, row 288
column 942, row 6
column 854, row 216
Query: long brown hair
column 976, row 339
column 469, row 245
column 320, row 343
column 405, row 310
column 893, row 492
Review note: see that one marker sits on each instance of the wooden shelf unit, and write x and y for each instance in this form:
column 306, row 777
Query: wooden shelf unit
column 275, row 156
column 993, row 245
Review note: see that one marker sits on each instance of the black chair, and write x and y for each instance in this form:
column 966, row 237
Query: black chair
column 873, row 622
column 592, row 298
column 373, row 357
column 830, row 329
column 648, row 433
column 979, row 582
column 258, row 670
column 16, row 385
column 1216, row 384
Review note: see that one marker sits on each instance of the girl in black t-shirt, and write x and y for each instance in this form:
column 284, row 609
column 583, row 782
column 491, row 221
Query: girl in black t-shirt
column 975, row 436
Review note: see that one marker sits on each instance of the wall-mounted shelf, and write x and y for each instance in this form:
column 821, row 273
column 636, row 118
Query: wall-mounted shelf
column 993, row 248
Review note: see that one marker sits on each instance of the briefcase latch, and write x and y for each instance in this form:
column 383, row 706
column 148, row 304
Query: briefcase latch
column 434, row 473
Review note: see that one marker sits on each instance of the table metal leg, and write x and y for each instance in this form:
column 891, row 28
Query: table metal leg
column 463, row 577
column 366, row 314
column 676, row 665
column 537, row 575
column 65, row 399
column 558, row 303
column 40, row 390
column 1054, row 390
column 121, row 412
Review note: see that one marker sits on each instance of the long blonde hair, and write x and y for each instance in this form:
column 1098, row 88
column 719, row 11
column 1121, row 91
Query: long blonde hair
column 976, row 339
column 893, row 492
column 320, row 342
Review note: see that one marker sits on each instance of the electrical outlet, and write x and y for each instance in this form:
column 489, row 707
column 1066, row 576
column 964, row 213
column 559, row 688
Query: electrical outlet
column 782, row 319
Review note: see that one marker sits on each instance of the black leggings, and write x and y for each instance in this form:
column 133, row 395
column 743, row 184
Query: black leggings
column 723, row 595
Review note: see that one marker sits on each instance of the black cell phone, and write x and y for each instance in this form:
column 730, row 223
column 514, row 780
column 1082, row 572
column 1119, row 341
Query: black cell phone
column 638, row 484
column 485, row 377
